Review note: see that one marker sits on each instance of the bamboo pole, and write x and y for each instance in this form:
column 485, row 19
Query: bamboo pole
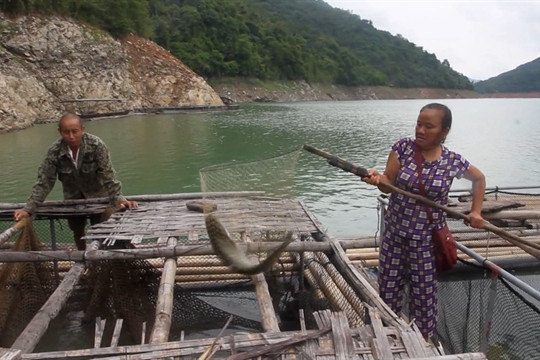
column 148, row 253
column 6, row 234
column 149, row 198
column 328, row 287
column 164, row 305
column 531, row 248
column 345, row 289
column 269, row 319
column 29, row 338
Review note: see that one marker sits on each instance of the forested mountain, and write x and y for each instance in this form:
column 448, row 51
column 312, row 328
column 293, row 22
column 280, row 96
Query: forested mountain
column 265, row 39
column 524, row 78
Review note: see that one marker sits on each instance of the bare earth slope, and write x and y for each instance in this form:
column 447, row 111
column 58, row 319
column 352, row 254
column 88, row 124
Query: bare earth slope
column 47, row 61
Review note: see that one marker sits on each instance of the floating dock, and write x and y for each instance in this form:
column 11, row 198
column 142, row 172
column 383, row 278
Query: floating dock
column 160, row 254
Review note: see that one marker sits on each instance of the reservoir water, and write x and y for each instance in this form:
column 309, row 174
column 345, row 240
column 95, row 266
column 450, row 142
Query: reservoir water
column 164, row 153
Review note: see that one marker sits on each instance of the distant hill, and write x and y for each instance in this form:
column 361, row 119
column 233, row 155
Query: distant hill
column 265, row 39
column 525, row 78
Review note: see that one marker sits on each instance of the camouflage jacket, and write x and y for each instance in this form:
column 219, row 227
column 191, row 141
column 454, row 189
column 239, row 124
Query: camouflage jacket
column 93, row 177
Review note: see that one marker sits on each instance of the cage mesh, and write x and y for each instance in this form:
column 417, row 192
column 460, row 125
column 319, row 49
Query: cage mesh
column 24, row 288
column 464, row 298
column 463, row 318
column 274, row 175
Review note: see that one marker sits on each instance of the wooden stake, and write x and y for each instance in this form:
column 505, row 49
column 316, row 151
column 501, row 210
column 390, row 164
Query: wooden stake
column 164, row 305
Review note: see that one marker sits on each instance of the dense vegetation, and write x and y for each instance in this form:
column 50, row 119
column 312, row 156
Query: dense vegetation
column 266, row 39
column 524, row 78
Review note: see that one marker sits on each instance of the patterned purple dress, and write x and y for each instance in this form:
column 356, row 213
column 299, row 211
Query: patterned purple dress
column 406, row 251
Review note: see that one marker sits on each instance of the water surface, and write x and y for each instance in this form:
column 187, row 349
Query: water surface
column 164, row 153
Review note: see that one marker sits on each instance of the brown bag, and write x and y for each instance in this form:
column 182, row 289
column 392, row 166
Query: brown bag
column 445, row 249
column 444, row 244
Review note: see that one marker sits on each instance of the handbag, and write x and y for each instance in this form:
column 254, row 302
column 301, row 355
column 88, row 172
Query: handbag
column 444, row 244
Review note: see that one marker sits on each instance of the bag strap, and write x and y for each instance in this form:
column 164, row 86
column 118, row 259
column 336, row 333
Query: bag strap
column 419, row 160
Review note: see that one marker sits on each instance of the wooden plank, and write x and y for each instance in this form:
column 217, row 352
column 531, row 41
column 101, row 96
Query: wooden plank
column 10, row 354
column 380, row 342
column 342, row 337
column 116, row 333
column 322, row 318
column 143, row 333
column 464, row 356
column 241, row 341
column 269, row 348
column 98, row 335
column 412, row 345
column 269, row 320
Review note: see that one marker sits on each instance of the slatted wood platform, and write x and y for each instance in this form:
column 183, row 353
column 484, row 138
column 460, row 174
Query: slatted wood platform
column 333, row 340
column 158, row 220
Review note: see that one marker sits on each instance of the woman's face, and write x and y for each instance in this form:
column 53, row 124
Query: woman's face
column 429, row 132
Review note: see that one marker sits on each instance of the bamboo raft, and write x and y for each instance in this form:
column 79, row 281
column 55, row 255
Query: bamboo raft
column 518, row 215
column 165, row 230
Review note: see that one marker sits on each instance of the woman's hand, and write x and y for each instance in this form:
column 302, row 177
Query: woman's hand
column 476, row 220
column 374, row 177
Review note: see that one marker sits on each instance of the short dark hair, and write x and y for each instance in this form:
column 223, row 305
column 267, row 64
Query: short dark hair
column 446, row 122
column 70, row 115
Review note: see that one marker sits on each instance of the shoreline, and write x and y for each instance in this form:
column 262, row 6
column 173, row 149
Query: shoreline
column 254, row 90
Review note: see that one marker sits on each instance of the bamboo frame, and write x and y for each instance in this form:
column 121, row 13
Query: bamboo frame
column 29, row 338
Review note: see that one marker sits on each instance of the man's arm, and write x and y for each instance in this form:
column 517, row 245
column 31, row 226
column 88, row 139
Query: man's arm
column 46, row 179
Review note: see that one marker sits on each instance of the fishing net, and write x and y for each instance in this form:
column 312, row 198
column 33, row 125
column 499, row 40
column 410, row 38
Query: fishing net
column 24, row 288
column 127, row 289
column 298, row 281
column 513, row 326
column 274, row 175
column 480, row 311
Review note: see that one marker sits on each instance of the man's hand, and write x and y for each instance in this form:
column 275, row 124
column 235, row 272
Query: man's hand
column 20, row 214
column 129, row 204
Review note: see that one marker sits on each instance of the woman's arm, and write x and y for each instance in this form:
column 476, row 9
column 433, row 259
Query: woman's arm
column 478, row 188
column 389, row 176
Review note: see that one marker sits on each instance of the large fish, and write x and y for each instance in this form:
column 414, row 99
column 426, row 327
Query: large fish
column 232, row 255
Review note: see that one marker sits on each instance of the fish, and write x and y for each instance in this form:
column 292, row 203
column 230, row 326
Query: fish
column 232, row 256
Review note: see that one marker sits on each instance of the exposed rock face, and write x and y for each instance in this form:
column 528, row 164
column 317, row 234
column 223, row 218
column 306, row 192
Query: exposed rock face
column 45, row 62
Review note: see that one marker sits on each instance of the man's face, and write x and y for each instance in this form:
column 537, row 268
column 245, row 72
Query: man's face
column 71, row 131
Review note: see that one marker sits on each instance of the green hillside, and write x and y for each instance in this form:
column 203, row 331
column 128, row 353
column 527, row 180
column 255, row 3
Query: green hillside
column 264, row 39
column 524, row 78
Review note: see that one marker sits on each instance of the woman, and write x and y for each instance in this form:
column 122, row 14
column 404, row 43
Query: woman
column 406, row 248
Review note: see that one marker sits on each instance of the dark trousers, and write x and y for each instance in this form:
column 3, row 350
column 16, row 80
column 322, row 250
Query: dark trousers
column 78, row 225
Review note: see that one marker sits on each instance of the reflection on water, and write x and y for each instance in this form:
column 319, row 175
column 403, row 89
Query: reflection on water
column 164, row 153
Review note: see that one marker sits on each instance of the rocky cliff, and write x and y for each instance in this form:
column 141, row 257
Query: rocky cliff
column 47, row 63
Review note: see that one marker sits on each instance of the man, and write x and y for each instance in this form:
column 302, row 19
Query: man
column 82, row 163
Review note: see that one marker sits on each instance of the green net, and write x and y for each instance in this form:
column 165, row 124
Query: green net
column 274, row 175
